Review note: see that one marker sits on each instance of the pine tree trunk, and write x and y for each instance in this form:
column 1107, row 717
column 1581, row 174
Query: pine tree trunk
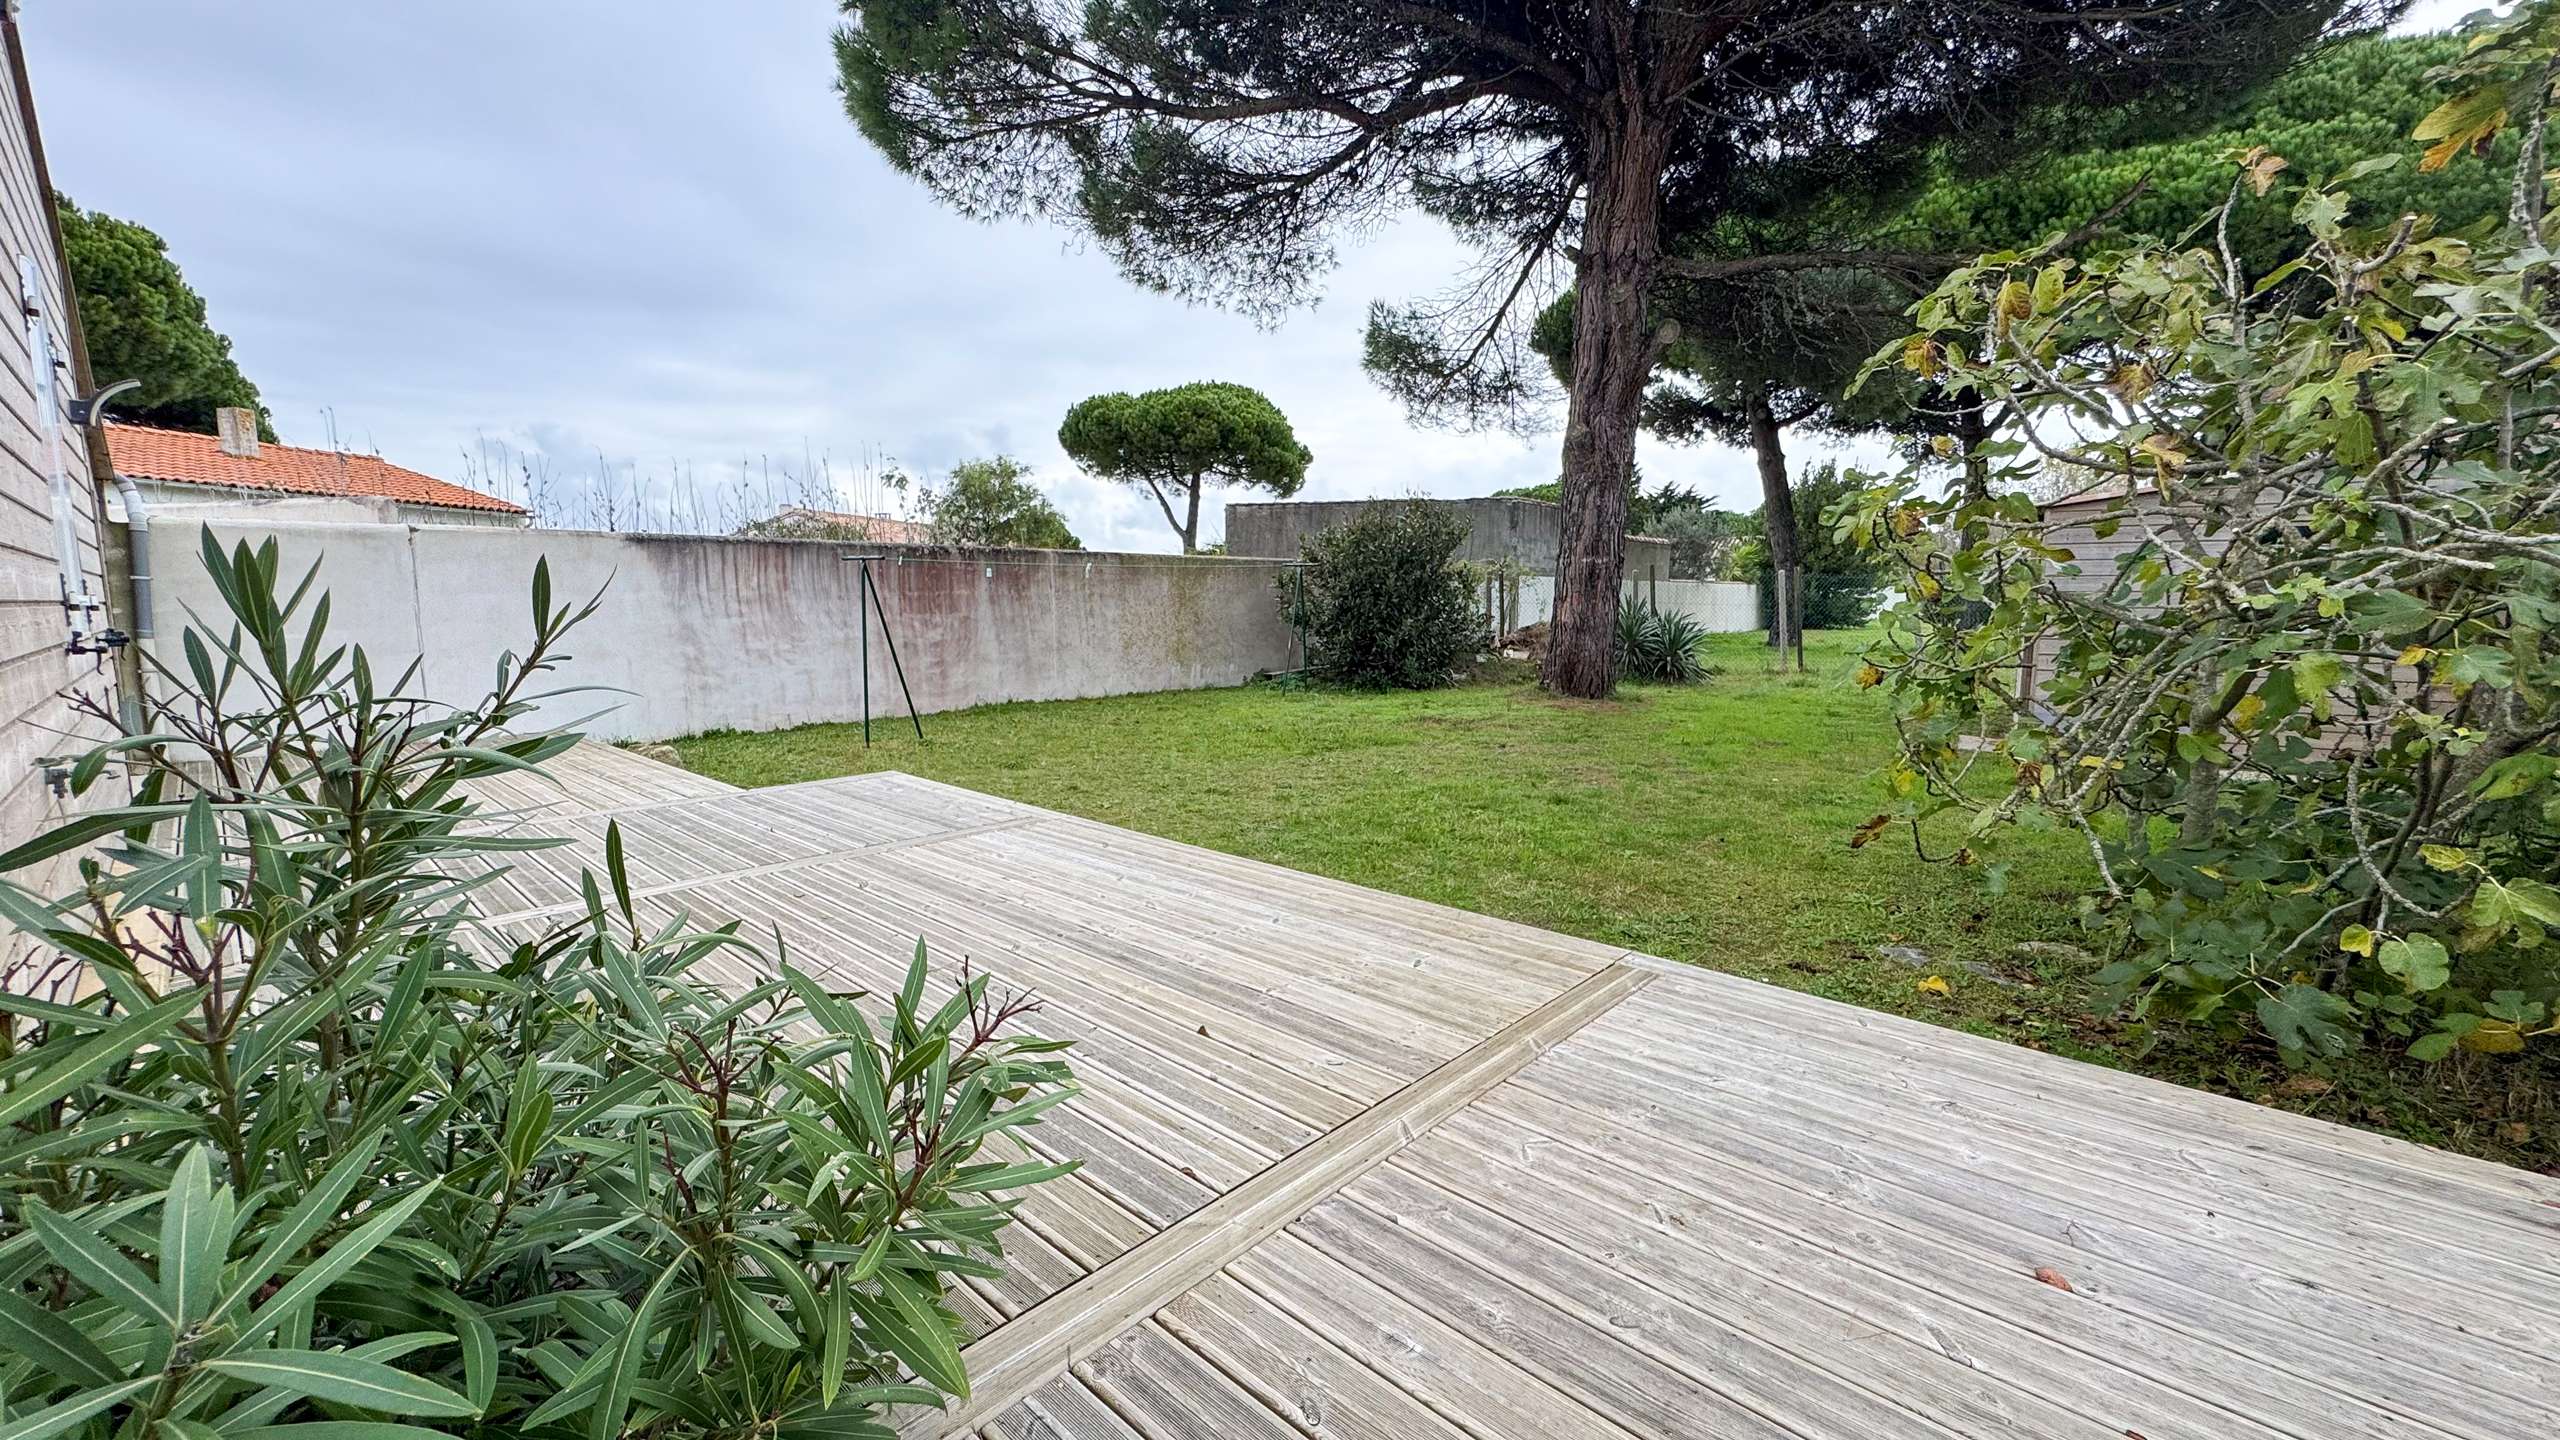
column 1973, row 431
column 1777, row 511
column 1191, row 522
column 1614, row 349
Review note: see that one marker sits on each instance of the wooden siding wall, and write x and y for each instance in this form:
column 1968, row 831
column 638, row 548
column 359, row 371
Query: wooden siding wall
column 36, row 719
column 2356, row 725
column 2098, row 561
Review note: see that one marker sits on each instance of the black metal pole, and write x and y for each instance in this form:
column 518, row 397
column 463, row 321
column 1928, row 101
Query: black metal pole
column 1298, row 611
column 889, row 636
column 863, row 599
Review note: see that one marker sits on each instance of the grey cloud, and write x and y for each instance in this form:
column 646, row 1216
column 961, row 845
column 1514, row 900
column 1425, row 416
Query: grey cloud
column 646, row 230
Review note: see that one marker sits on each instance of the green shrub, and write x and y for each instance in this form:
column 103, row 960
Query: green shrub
column 1384, row 601
column 2304, row 715
column 322, row 1149
column 1657, row 644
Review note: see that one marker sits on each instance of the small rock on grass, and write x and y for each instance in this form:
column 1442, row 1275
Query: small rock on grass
column 1919, row 959
column 2054, row 950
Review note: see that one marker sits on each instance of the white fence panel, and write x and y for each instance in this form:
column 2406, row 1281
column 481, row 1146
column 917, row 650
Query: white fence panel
column 1721, row 606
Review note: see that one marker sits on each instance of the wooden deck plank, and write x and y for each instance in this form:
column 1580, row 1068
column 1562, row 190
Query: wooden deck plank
column 1419, row 1351
column 1974, row 1366
column 1361, row 1166
column 1147, row 998
column 592, row 776
column 1166, row 1392
column 1635, row 1386
column 1181, row 982
column 1388, row 913
column 1429, row 990
column 1810, row 1366
column 689, row 843
column 1034, row 1269
column 1162, row 1129
column 1268, row 912
column 1298, row 1374
column 1063, row 1409
column 2196, row 1289
column 2265, row 1147
column 2257, row 1188
column 1018, row 1359
column 2143, row 1213
column 1903, row 1272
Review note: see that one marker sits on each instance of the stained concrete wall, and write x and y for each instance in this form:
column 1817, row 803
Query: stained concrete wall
column 1499, row 527
column 715, row 633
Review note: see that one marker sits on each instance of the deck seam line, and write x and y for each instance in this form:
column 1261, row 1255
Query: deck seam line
column 1069, row 1326
column 776, row 867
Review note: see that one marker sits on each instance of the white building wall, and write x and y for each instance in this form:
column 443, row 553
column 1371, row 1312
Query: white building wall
column 183, row 507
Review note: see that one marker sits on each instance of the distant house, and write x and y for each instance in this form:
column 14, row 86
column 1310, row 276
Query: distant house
column 186, row 476
column 800, row 522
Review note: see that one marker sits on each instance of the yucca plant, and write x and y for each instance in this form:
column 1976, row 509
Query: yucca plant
column 1661, row 645
column 291, row 1148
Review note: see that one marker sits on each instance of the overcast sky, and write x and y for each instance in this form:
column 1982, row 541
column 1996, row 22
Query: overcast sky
column 645, row 231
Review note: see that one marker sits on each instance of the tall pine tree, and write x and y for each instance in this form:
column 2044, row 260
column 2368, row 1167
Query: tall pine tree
column 1215, row 147
column 143, row 321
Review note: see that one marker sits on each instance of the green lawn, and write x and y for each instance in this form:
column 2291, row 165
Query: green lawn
column 1709, row 824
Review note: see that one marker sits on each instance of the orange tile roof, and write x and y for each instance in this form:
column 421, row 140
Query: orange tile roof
column 182, row 457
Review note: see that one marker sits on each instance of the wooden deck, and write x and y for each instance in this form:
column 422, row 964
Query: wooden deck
column 1361, row 1166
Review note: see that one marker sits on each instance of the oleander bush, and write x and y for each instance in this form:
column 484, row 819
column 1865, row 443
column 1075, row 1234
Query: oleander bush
column 1384, row 600
column 291, row 1147
column 2307, row 723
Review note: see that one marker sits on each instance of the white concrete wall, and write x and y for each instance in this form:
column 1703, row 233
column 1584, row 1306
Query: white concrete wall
column 1722, row 606
column 1499, row 527
column 713, row 633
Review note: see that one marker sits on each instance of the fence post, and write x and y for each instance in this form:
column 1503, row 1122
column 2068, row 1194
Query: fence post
column 1779, row 587
column 1798, row 613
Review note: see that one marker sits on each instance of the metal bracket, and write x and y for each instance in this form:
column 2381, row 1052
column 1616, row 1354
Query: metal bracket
column 103, row 642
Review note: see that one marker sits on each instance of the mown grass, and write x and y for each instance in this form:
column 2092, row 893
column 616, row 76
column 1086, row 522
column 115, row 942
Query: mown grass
column 1709, row 824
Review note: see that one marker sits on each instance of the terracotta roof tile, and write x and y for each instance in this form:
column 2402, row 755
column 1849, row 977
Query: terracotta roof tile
column 181, row 457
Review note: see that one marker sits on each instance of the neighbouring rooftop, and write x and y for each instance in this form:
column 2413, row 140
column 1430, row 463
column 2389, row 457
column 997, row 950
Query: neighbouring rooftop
column 180, row 457
column 797, row 521
column 1358, row 1165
